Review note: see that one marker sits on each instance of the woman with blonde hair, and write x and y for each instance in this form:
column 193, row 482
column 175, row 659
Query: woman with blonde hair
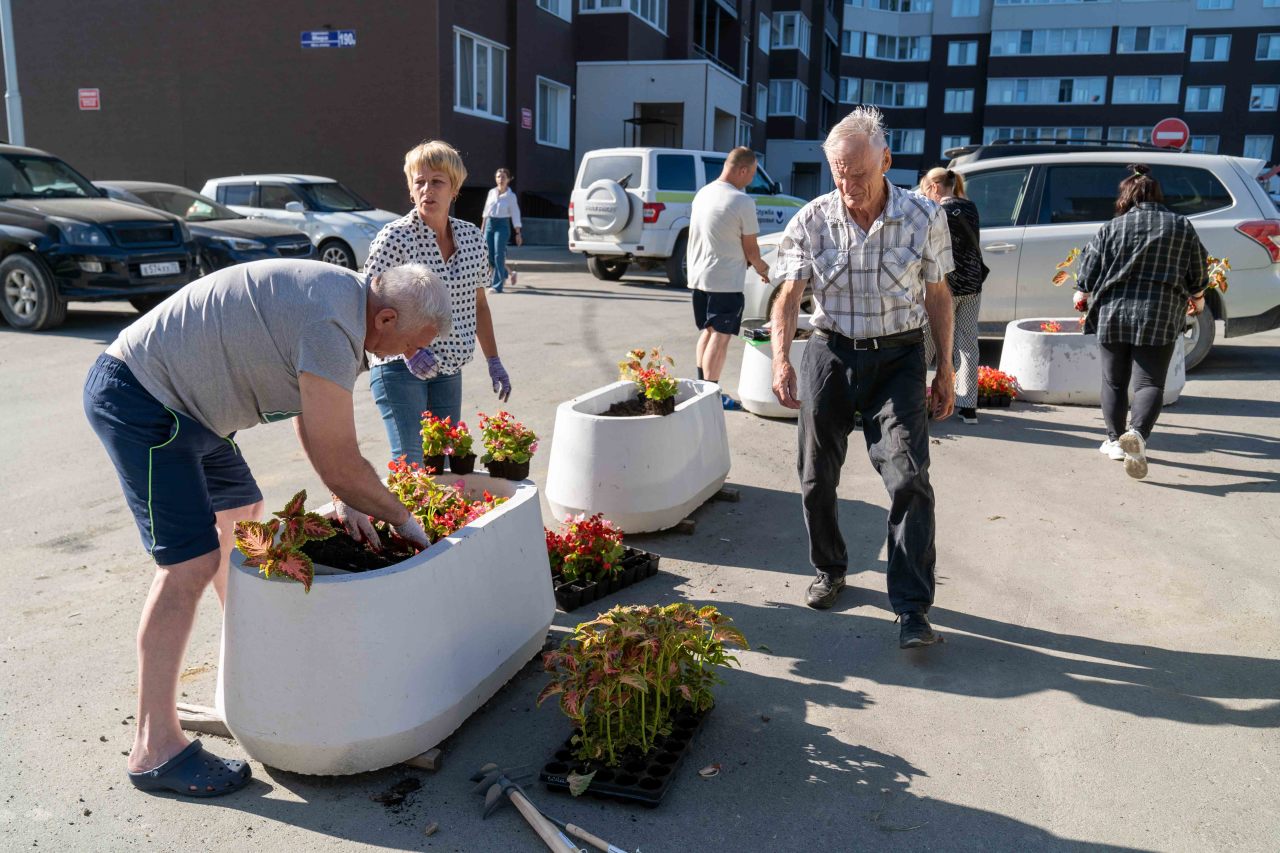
column 946, row 188
column 454, row 250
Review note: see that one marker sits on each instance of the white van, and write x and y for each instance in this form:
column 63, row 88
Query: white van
column 631, row 206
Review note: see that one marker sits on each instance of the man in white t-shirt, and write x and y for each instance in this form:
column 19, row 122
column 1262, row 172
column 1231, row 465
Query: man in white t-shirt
column 722, row 242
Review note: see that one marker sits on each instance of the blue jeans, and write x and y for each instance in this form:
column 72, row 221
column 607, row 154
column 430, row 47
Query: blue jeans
column 497, row 233
column 402, row 397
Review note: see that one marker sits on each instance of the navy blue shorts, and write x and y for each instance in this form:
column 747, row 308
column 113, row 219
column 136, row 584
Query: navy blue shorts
column 720, row 312
column 175, row 473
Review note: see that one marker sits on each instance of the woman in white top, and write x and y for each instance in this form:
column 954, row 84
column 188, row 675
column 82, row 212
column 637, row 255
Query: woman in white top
column 501, row 213
column 432, row 379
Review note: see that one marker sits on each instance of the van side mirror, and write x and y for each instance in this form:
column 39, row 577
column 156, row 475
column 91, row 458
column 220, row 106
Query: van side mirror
column 295, row 207
column 774, row 188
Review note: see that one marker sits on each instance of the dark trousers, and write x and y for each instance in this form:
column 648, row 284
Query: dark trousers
column 1147, row 366
column 887, row 387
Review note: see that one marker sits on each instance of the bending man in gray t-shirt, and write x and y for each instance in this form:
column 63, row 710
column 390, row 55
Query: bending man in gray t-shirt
column 249, row 344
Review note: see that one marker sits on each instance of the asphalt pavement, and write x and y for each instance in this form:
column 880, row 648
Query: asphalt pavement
column 1109, row 681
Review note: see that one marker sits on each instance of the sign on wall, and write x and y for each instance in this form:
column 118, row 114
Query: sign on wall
column 526, row 118
column 328, row 38
column 90, row 99
column 1170, row 133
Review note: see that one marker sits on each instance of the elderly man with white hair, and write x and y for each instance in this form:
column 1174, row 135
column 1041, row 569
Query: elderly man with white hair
column 877, row 257
column 253, row 343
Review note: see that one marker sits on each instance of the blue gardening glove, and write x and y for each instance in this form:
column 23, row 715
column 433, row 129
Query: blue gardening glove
column 423, row 364
column 501, row 381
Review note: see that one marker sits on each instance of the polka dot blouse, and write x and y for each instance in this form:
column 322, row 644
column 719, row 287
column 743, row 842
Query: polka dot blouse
column 409, row 240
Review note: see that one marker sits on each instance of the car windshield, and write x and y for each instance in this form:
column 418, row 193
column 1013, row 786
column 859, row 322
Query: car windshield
column 332, row 197
column 192, row 207
column 23, row 176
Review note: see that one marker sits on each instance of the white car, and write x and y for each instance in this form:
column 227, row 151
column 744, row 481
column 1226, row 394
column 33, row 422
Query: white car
column 630, row 206
column 340, row 223
column 1037, row 202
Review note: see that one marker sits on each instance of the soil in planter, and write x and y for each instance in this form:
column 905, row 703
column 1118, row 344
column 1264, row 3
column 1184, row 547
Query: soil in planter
column 639, row 406
column 638, row 777
column 635, row 566
column 340, row 551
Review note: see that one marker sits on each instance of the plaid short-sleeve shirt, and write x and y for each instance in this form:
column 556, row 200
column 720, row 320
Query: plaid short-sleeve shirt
column 868, row 283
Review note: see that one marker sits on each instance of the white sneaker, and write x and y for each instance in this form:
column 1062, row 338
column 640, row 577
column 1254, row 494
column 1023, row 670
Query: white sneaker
column 1135, row 454
column 1112, row 450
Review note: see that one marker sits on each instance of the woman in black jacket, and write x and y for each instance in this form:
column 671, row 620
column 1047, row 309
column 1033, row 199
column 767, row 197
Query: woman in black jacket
column 1140, row 276
column 947, row 189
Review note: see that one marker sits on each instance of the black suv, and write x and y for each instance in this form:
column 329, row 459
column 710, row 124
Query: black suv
column 62, row 239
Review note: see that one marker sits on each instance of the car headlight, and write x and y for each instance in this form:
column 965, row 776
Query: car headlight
column 80, row 233
column 241, row 244
column 369, row 230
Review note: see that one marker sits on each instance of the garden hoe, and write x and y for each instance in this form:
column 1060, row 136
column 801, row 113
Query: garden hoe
column 497, row 786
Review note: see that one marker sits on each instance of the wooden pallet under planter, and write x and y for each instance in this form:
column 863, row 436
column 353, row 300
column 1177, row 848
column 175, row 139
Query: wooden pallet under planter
column 636, row 566
column 637, row 778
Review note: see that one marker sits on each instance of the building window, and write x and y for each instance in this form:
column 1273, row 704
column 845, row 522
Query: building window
column 958, row 101
column 788, row 98
column 1203, row 144
column 1042, row 2
column 906, row 141
column 850, row 89
column 553, row 113
column 1130, row 134
column 1051, row 42
column 1145, row 90
column 744, row 133
column 480, row 77
column 1215, row 4
column 559, row 8
column 898, row 48
column 1046, row 90
column 965, row 8
column 762, row 101
column 1263, row 98
column 883, row 93
column 1268, row 46
column 1151, row 39
column 1204, row 99
column 1259, row 147
column 791, row 32
column 1210, row 48
column 851, row 42
column 1034, row 134
column 652, row 12
column 830, row 55
column 766, row 33
column 949, row 142
column 1271, row 4
column 901, row 5
column 962, row 53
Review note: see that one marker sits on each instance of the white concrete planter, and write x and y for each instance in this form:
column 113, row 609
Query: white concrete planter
column 755, row 380
column 644, row 473
column 370, row 669
column 1065, row 367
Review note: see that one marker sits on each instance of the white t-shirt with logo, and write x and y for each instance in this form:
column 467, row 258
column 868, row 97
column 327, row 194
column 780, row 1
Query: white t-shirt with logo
column 722, row 215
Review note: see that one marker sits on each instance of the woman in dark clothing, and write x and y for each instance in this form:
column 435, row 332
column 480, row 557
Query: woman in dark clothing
column 1140, row 277
column 947, row 189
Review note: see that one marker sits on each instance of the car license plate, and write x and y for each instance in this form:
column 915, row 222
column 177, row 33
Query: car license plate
column 167, row 268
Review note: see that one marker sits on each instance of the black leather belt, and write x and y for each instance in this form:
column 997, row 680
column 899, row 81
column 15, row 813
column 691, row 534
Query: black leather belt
column 898, row 339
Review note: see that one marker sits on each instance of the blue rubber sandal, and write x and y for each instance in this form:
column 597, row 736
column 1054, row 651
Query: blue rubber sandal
column 730, row 404
column 194, row 772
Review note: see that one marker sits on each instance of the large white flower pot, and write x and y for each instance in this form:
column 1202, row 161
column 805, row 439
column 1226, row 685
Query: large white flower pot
column 1065, row 367
column 370, row 669
column 644, row 473
column 755, row 380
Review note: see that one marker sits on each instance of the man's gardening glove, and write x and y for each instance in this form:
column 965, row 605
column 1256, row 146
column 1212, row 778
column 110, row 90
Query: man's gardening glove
column 357, row 524
column 411, row 531
column 501, row 381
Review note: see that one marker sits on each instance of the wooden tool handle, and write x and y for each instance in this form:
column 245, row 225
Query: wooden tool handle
column 546, row 831
column 594, row 841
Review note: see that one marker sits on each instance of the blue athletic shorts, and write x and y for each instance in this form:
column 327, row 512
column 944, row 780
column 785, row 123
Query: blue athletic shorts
column 720, row 312
column 175, row 473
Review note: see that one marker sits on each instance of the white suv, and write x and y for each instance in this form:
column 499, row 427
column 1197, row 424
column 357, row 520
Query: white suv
column 631, row 206
column 340, row 223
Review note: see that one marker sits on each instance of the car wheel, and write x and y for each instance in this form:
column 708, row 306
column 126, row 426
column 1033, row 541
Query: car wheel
column 31, row 299
column 678, row 263
column 606, row 269
column 806, row 301
column 143, row 304
column 338, row 253
column 1198, row 338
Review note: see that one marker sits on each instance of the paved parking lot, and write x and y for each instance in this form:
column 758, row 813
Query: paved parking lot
column 1110, row 678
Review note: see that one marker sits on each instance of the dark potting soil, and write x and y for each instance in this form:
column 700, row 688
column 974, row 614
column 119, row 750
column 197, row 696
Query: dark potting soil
column 340, row 551
column 640, row 406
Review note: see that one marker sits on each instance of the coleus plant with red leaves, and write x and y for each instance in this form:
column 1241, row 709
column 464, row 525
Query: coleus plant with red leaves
column 276, row 545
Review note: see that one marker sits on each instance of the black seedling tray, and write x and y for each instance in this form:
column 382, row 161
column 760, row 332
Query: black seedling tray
column 636, row 566
column 637, row 778
column 994, row 401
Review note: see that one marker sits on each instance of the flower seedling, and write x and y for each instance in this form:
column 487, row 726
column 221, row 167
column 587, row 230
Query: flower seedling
column 276, row 545
column 586, row 549
column 649, row 372
column 506, row 439
column 443, row 437
column 996, row 383
column 1051, row 326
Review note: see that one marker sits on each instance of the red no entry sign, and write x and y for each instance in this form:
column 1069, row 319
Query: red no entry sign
column 1170, row 133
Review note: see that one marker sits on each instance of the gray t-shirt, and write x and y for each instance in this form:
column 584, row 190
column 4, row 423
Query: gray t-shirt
column 721, row 216
column 227, row 349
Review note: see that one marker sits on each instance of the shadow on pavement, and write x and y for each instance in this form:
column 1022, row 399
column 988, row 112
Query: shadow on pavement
column 90, row 324
column 575, row 293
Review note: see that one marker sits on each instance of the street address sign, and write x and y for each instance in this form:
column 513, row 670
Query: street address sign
column 90, row 99
column 1170, row 133
column 328, row 38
